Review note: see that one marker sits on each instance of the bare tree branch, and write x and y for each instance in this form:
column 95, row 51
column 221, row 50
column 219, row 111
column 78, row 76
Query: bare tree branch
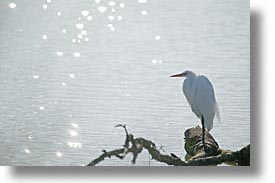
column 193, row 147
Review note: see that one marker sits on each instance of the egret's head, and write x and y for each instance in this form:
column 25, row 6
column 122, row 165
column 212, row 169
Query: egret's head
column 185, row 74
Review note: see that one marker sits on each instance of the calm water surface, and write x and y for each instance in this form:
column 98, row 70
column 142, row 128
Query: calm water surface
column 68, row 77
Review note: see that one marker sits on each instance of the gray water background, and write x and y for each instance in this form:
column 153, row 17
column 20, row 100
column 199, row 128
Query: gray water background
column 121, row 76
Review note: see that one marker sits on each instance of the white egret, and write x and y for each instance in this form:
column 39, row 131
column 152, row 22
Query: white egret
column 200, row 94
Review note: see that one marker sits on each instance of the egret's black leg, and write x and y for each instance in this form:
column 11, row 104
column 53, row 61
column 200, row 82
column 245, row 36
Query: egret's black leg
column 203, row 134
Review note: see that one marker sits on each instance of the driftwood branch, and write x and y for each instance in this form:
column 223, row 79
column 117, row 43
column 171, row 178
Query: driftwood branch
column 193, row 146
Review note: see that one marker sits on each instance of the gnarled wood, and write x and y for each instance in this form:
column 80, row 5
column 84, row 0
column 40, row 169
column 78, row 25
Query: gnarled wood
column 193, row 147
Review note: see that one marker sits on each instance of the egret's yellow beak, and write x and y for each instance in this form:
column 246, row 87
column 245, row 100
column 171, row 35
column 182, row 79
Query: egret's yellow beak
column 178, row 75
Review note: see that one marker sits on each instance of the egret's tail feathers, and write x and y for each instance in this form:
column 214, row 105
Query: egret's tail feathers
column 218, row 113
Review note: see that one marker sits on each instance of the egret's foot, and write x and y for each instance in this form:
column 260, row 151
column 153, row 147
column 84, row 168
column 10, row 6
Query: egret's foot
column 207, row 150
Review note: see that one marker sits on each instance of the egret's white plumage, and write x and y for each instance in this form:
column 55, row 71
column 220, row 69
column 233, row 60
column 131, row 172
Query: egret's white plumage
column 200, row 94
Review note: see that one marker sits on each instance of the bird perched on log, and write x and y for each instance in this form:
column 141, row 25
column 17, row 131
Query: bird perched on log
column 200, row 94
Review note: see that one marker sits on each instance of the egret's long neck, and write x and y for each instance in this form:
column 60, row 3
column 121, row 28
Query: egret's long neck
column 191, row 75
column 190, row 78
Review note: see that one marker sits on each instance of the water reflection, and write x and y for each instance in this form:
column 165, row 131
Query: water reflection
column 79, row 26
column 122, row 5
column 27, row 151
column 119, row 18
column 59, row 154
column 102, row 9
column 85, row 13
column 72, row 76
column 97, row 1
column 142, row 1
column 35, row 76
column 76, row 54
column 157, row 37
column 44, row 6
column 112, row 3
column 84, row 32
column 44, row 36
column 12, row 5
column 75, row 125
column 144, row 12
column 154, row 61
column 74, row 144
column 59, row 53
column 73, row 133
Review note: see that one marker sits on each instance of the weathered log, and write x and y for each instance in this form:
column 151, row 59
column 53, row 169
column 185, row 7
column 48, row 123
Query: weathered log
column 244, row 156
column 193, row 146
column 195, row 150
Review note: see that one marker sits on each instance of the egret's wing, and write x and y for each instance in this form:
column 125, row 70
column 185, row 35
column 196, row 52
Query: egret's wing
column 204, row 93
column 205, row 99
column 200, row 95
